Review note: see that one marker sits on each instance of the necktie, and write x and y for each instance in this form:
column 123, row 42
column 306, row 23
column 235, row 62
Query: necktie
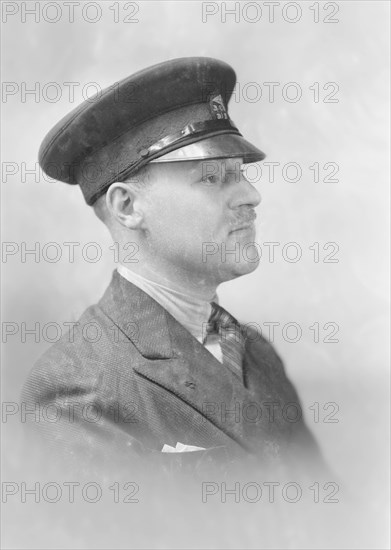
column 232, row 341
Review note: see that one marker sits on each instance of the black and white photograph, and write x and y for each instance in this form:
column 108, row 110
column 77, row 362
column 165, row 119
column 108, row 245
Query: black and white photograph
column 195, row 274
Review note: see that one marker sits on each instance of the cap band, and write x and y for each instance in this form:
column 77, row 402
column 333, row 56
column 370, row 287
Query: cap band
column 190, row 129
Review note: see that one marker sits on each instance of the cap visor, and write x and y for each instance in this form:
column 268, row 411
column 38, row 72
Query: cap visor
column 221, row 146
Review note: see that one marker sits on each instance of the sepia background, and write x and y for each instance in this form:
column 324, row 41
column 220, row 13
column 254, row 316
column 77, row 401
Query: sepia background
column 349, row 377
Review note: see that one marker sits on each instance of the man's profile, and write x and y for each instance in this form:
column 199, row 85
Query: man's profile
column 161, row 163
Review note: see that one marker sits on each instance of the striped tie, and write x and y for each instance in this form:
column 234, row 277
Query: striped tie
column 232, row 340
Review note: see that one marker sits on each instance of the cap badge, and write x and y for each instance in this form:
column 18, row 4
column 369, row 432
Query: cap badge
column 217, row 107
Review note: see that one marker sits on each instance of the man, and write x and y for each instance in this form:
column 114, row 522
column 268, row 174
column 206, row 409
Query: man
column 161, row 163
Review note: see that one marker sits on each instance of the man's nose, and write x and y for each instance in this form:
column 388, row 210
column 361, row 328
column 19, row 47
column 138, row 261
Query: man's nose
column 244, row 193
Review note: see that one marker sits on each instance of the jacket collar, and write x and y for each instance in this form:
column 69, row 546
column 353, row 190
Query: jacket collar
column 139, row 317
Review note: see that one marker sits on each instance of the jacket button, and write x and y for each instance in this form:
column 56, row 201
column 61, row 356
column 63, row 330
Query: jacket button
column 190, row 384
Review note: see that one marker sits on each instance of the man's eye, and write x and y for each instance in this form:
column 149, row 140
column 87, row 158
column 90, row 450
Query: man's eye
column 209, row 179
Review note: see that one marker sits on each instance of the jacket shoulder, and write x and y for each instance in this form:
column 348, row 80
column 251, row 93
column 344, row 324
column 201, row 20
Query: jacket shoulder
column 80, row 362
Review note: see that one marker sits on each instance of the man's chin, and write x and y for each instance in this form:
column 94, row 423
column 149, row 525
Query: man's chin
column 235, row 270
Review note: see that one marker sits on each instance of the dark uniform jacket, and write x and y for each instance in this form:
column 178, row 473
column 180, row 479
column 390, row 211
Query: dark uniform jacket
column 128, row 378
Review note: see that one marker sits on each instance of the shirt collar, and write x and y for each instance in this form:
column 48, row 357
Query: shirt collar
column 190, row 311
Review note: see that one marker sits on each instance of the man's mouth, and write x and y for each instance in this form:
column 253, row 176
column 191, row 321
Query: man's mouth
column 245, row 227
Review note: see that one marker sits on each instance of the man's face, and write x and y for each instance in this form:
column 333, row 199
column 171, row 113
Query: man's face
column 199, row 217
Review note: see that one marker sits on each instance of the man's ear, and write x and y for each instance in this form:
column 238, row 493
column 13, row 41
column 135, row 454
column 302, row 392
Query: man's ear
column 122, row 202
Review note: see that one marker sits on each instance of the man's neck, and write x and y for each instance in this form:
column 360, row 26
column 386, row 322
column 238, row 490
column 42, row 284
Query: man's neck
column 180, row 281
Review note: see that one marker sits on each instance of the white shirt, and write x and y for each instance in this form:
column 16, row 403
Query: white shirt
column 190, row 311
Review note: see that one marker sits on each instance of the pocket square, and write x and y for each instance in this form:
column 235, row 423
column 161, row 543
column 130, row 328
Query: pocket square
column 181, row 448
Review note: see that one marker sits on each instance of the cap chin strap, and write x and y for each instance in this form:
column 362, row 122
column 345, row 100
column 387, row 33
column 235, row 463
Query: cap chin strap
column 203, row 127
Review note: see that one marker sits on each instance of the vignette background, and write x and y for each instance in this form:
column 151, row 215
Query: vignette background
column 353, row 212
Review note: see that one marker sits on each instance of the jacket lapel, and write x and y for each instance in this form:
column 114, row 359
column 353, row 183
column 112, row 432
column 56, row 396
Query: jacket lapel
column 189, row 371
column 196, row 377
